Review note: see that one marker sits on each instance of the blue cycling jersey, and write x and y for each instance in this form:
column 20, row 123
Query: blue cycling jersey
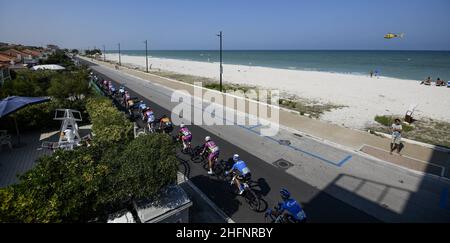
column 241, row 166
column 293, row 208
column 142, row 106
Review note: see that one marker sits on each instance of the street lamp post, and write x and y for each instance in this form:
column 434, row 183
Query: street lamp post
column 120, row 61
column 104, row 53
column 146, row 55
column 221, row 67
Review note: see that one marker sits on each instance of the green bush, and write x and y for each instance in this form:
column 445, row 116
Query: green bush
column 108, row 124
column 90, row 183
column 389, row 120
column 73, row 85
column 385, row 120
column 61, row 188
column 143, row 168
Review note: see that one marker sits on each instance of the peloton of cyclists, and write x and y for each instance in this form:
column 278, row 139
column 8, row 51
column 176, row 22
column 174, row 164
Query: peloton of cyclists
column 289, row 210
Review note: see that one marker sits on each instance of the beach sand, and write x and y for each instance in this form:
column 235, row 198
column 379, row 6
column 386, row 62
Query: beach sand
column 364, row 97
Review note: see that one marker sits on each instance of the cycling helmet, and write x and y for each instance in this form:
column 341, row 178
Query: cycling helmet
column 208, row 138
column 236, row 157
column 285, row 194
column 181, row 125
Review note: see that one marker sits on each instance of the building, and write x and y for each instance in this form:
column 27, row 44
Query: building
column 172, row 206
column 33, row 53
column 28, row 57
column 5, row 62
column 13, row 56
column 4, row 74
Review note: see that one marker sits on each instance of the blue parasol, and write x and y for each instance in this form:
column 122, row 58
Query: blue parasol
column 15, row 103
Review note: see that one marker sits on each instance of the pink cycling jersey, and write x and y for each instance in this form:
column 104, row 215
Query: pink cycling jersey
column 212, row 147
column 185, row 134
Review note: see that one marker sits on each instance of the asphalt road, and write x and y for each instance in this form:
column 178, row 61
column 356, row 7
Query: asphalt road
column 268, row 178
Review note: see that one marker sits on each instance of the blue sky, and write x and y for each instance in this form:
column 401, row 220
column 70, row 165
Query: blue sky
column 247, row 24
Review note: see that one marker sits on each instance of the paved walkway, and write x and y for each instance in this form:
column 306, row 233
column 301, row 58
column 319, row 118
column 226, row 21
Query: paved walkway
column 15, row 162
column 20, row 159
column 346, row 138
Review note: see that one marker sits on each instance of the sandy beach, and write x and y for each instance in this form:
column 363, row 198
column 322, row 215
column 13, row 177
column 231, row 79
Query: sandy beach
column 364, row 97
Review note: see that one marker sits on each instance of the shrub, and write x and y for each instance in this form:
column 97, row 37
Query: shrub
column 144, row 167
column 109, row 125
column 72, row 85
column 385, row 120
column 61, row 188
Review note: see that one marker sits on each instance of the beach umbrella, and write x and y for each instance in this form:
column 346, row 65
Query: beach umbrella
column 13, row 104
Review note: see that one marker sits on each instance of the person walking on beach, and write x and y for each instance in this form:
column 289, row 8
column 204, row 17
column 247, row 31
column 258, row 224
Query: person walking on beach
column 371, row 73
column 396, row 136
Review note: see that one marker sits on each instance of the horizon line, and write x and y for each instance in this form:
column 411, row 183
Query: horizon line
column 435, row 50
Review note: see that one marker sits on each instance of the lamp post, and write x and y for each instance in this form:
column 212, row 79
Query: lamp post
column 120, row 61
column 221, row 67
column 104, row 53
column 146, row 55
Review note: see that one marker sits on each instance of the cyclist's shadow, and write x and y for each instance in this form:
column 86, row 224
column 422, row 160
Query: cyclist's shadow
column 261, row 189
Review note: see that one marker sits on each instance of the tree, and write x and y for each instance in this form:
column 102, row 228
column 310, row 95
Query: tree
column 61, row 188
column 146, row 166
column 93, row 52
column 72, row 85
column 90, row 183
column 75, row 51
column 108, row 124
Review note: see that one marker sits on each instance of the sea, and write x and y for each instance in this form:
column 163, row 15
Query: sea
column 410, row 65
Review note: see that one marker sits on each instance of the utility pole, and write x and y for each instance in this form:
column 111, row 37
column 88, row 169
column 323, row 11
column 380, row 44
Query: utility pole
column 146, row 55
column 104, row 53
column 221, row 67
column 120, row 61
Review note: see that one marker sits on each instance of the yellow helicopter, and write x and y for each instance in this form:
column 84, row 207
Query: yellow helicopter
column 392, row 36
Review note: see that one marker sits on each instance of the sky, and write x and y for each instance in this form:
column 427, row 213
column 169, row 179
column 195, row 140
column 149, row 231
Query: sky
column 246, row 24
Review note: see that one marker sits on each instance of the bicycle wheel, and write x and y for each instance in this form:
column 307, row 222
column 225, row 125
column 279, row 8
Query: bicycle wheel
column 252, row 199
column 219, row 170
column 196, row 157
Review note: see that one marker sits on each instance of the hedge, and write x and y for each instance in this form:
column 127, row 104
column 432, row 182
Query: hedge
column 109, row 125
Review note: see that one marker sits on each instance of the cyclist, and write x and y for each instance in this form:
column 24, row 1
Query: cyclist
column 185, row 135
column 149, row 115
column 131, row 106
column 213, row 151
column 142, row 107
column 242, row 172
column 121, row 91
column 165, row 124
column 126, row 97
column 105, row 84
column 110, row 84
column 112, row 89
column 290, row 210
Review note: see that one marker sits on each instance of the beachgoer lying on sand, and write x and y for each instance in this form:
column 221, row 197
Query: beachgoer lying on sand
column 440, row 82
column 427, row 81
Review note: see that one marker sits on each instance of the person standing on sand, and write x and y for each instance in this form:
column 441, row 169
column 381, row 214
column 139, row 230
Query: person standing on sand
column 371, row 74
column 396, row 136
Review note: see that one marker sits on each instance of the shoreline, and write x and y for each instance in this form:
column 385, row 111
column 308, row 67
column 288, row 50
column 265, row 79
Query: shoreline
column 362, row 97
